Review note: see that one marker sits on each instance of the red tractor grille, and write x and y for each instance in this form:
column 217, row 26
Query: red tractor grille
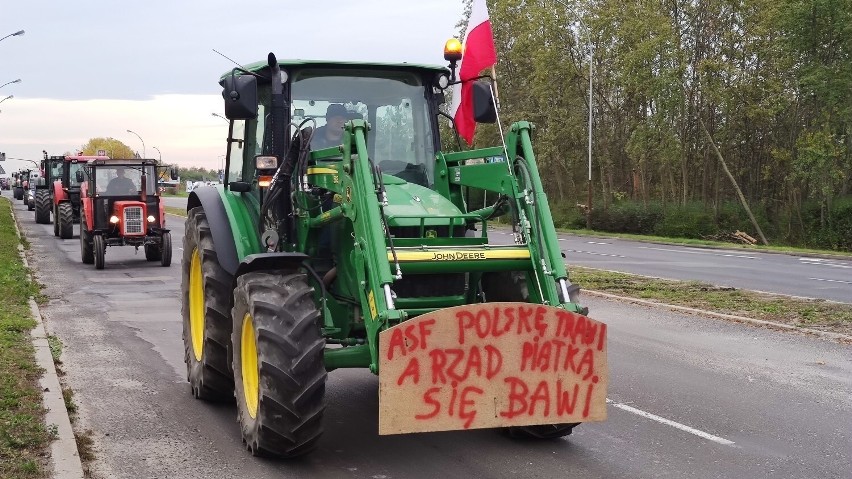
column 133, row 221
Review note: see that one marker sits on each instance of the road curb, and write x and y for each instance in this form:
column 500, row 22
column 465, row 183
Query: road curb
column 64, row 456
column 729, row 317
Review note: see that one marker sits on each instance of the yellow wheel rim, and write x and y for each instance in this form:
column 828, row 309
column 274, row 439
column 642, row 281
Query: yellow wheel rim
column 248, row 359
column 196, row 305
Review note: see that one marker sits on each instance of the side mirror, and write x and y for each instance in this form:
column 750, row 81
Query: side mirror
column 484, row 110
column 173, row 172
column 79, row 176
column 240, row 94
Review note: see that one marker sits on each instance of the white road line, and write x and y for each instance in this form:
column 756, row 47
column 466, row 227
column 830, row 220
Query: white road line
column 669, row 422
column 593, row 253
column 822, row 262
column 831, row 280
column 595, row 242
column 727, row 255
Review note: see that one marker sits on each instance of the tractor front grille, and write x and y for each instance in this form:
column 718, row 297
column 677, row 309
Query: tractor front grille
column 132, row 220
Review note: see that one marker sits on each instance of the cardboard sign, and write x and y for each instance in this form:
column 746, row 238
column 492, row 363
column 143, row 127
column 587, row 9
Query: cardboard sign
column 491, row 365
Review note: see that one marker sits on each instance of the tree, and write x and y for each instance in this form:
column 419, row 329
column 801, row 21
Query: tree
column 113, row 148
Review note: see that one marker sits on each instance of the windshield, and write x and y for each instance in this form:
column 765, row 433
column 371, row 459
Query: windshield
column 56, row 169
column 394, row 103
column 72, row 178
column 123, row 180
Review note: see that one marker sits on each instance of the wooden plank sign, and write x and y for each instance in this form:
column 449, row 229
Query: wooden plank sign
column 491, row 365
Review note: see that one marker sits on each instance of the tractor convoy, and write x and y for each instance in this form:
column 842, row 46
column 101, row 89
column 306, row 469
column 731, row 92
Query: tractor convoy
column 333, row 247
column 349, row 233
column 115, row 201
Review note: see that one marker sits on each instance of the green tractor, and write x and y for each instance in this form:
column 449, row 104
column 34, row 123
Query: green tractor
column 312, row 258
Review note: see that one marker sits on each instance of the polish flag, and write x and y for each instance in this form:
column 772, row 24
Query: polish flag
column 479, row 54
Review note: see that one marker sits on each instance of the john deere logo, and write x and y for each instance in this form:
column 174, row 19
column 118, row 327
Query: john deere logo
column 431, row 234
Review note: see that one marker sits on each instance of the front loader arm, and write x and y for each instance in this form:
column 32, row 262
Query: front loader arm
column 367, row 221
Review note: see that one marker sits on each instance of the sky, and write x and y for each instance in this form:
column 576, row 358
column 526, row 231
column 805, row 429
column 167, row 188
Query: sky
column 97, row 68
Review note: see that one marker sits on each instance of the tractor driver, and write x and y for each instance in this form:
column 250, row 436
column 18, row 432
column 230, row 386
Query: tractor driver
column 330, row 134
column 121, row 185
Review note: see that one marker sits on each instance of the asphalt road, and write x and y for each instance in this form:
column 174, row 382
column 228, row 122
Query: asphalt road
column 691, row 396
column 793, row 275
column 787, row 274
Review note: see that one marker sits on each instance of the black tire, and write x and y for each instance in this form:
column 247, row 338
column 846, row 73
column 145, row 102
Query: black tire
column 152, row 252
column 30, row 203
column 17, row 192
column 55, row 221
column 166, row 250
column 209, row 374
column 277, row 312
column 42, row 207
column 87, row 253
column 99, row 247
column 66, row 221
column 512, row 286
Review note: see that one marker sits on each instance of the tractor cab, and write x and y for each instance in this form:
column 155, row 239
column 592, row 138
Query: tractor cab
column 121, row 206
column 65, row 192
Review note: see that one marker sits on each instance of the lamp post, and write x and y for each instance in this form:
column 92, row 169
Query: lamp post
column 159, row 153
column 24, row 159
column 10, row 82
column 16, row 34
column 7, row 98
column 591, row 57
column 220, row 116
column 144, row 154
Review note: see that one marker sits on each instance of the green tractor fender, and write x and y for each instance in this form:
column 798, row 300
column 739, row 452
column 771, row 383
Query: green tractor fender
column 220, row 226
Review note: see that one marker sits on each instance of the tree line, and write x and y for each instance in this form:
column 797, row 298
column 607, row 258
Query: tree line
column 768, row 82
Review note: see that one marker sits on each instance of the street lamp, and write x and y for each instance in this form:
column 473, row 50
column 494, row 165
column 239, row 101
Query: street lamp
column 220, row 116
column 144, row 155
column 591, row 57
column 10, row 82
column 158, row 152
column 7, row 98
column 16, row 34
column 24, row 159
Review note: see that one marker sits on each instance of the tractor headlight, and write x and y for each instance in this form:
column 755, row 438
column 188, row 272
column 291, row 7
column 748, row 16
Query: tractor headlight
column 266, row 162
column 113, row 219
column 151, row 218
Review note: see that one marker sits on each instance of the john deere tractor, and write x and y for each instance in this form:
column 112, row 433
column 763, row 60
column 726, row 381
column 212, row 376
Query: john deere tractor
column 310, row 259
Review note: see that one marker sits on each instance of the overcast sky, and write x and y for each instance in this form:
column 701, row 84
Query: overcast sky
column 96, row 68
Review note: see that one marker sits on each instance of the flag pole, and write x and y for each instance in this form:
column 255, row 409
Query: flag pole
column 496, row 94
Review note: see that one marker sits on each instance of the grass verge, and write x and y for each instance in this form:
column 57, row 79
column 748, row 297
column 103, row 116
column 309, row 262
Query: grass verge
column 806, row 313
column 23, row 436
column 175, row 210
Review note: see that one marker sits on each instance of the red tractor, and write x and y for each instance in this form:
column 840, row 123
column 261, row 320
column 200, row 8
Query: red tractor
column 121, row 206
column 66, row 193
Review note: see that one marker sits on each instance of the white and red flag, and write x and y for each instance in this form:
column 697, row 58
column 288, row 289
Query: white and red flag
column 479, row 54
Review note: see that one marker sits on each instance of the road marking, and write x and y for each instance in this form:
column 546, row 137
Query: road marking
column 831, row 280
column 595, row 242
column 669, row 422
column 593, row 253
column 727, row 255
column 822, row 262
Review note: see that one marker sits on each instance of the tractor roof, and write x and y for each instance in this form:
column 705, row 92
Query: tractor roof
column 262, row 66
column 102, row 160
column 85, row 158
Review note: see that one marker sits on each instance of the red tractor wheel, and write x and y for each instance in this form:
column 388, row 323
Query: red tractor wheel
column 99, row 245
column 86, row 247
column 166, row 250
